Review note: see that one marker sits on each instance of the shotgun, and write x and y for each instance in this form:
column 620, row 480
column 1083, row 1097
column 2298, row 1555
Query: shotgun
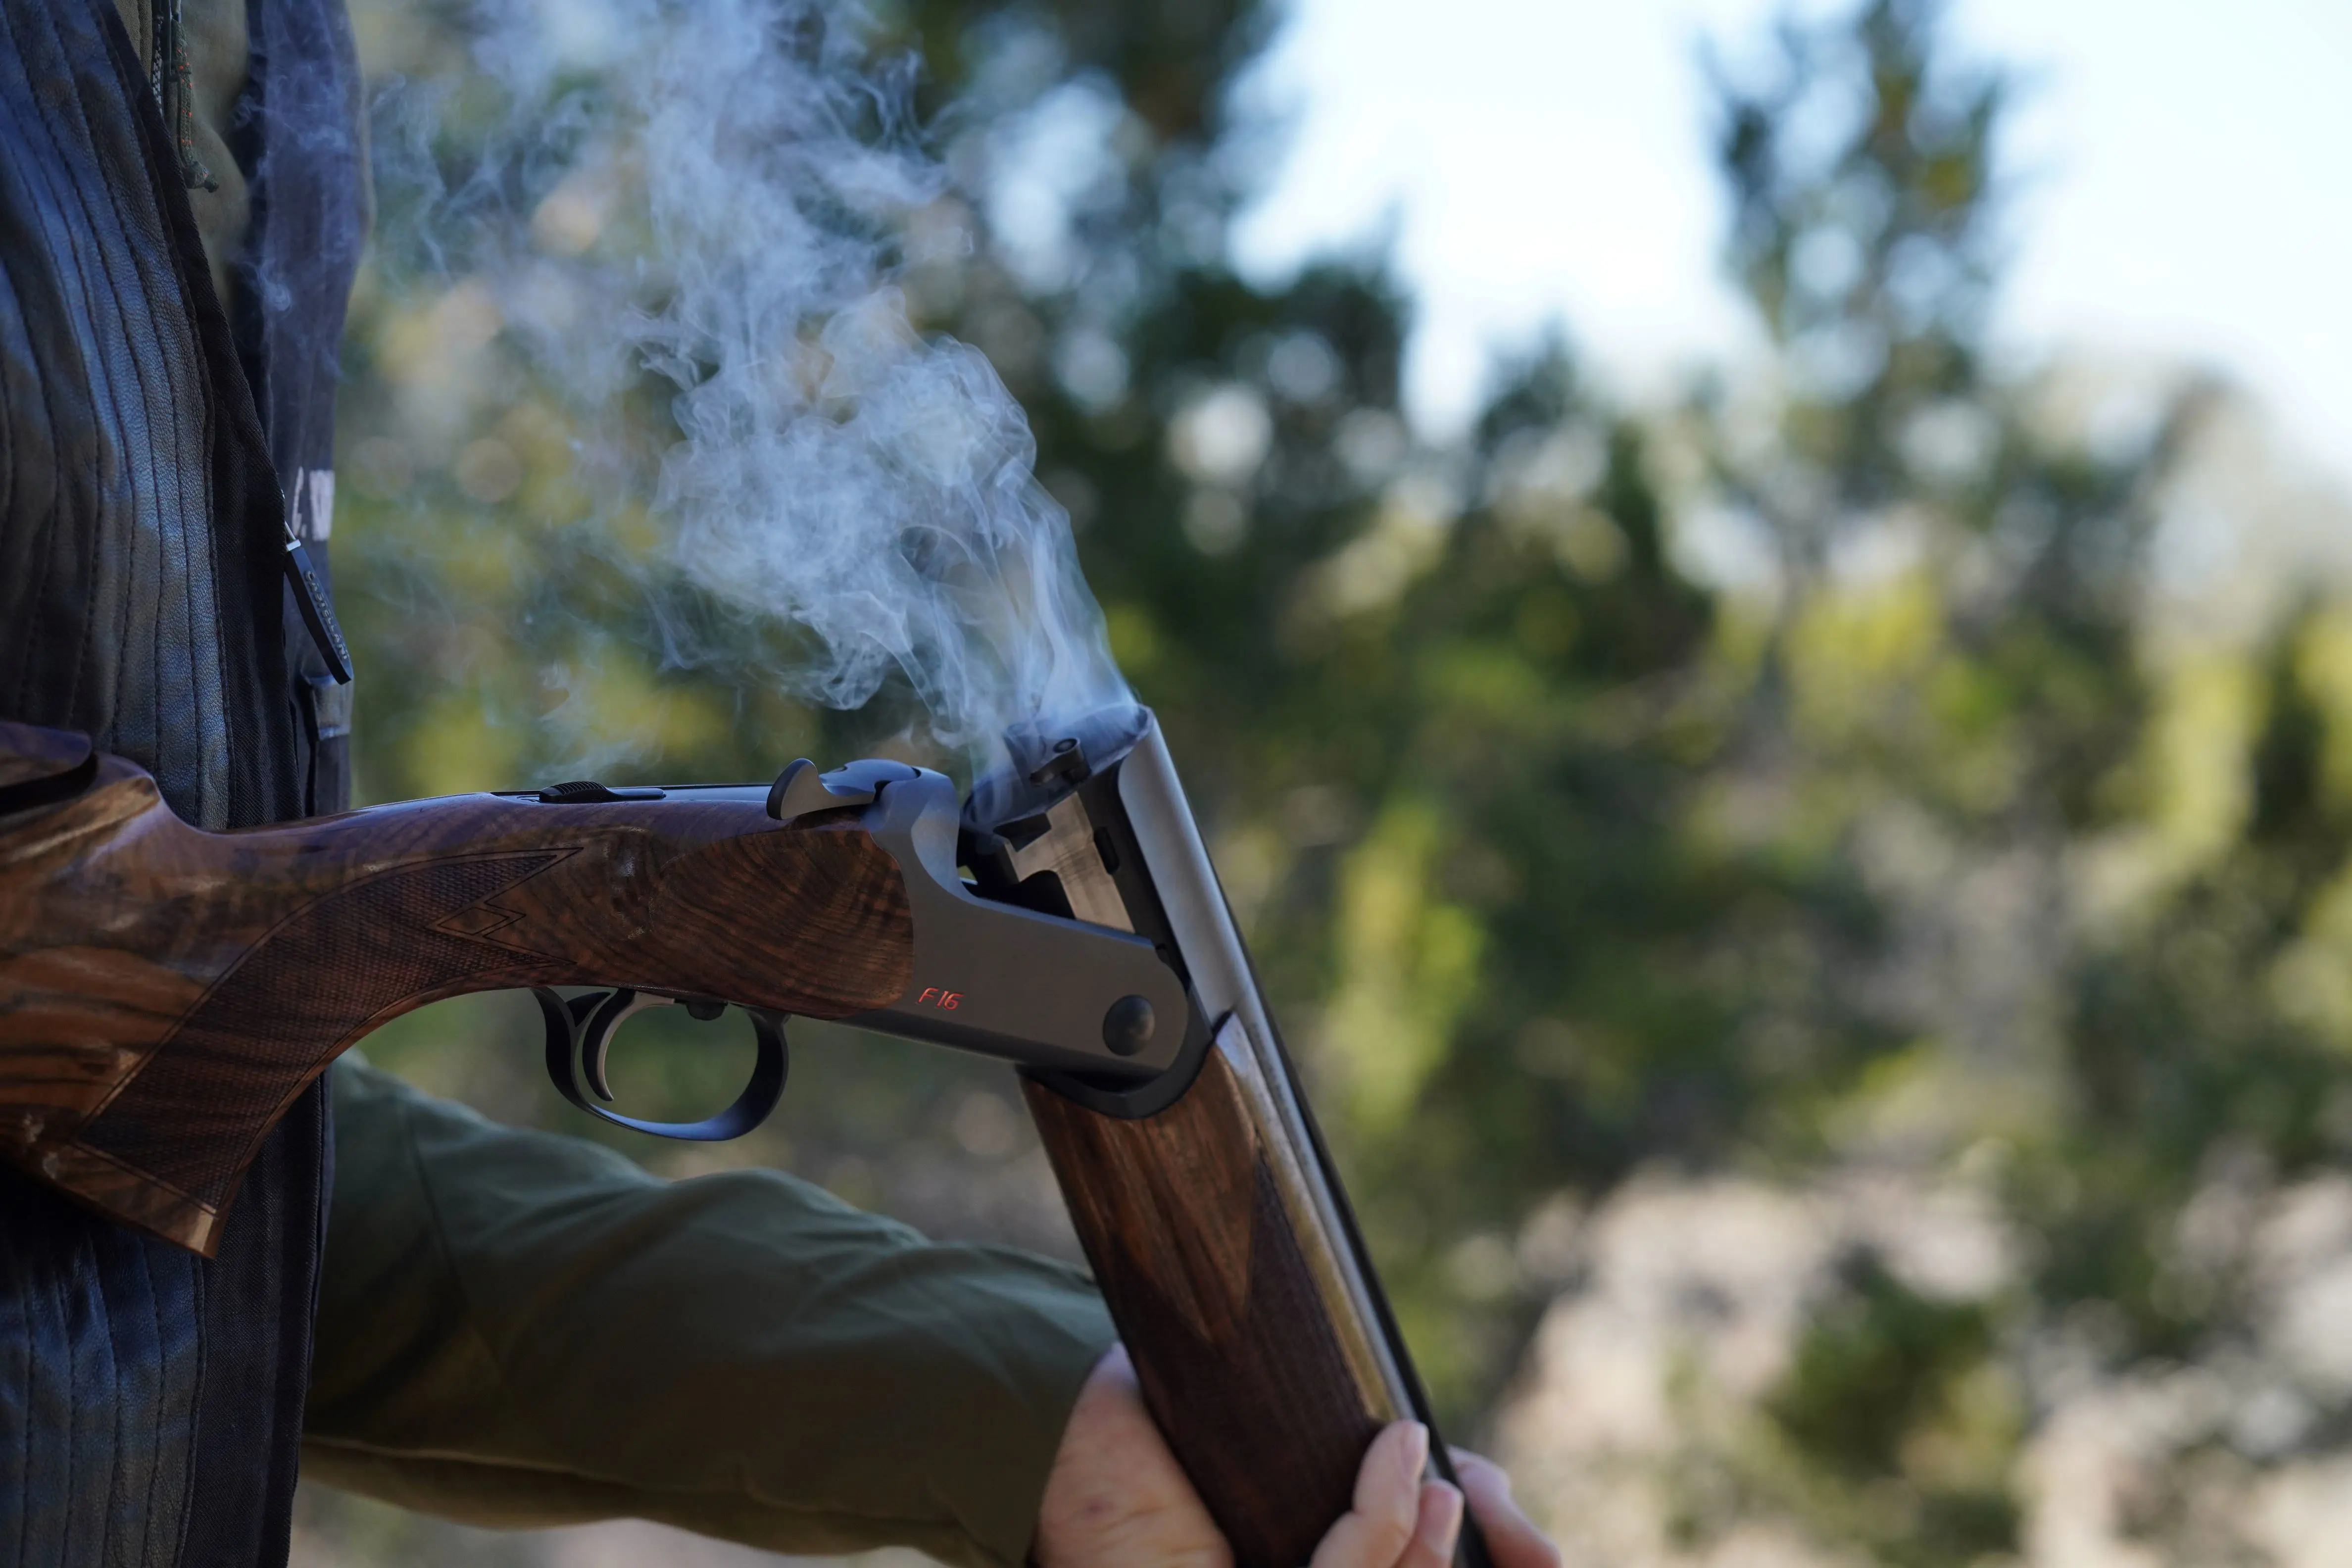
column 165, row 994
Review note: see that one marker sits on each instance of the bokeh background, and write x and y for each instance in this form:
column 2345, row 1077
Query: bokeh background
column 1802, row 826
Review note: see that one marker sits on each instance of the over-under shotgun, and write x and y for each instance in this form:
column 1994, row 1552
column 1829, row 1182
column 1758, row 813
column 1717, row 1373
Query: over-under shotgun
column 165, row 994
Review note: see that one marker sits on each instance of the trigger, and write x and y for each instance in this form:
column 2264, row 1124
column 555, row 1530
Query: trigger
column 579, row 1030
column 604, row 1018
column 583, row 1010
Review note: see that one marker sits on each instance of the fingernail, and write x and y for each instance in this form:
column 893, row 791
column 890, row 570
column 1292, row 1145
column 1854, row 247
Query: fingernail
column 1449, row 1516
column 1416, row 1452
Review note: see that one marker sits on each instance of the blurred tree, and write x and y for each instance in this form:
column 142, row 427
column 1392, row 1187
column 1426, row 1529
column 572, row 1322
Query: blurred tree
column 1962, row 680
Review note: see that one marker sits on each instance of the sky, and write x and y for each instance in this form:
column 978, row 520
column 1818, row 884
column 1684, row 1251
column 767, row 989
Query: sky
column 2188, row 194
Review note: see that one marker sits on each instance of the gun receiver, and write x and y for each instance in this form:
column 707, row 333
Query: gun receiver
column 166, row 994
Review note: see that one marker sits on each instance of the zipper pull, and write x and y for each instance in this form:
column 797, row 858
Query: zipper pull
column 318, row 610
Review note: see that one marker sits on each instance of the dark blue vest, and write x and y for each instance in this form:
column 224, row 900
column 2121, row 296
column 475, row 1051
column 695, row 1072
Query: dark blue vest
column 150, row 1402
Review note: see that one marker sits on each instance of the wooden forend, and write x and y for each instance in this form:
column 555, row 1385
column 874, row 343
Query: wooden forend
column 1242, row 1344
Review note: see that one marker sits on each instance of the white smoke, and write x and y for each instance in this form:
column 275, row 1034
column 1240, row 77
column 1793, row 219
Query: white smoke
column 724, row 192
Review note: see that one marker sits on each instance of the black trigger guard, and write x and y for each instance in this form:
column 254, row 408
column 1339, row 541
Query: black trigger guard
column 579, row 1031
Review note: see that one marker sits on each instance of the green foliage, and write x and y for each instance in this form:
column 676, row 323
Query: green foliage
column 1872, row 1367
column 1900, row 1423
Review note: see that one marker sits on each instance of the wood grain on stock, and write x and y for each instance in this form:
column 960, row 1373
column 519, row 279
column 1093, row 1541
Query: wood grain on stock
column 166, row 993
column 1232, row 1335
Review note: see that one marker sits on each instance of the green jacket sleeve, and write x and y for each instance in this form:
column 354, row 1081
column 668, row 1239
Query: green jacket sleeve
column 521, row 1329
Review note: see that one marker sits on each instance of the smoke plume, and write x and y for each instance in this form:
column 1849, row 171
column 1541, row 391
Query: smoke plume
column 722, row 192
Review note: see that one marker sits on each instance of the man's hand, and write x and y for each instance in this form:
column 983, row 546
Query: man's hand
column 1116, row 1497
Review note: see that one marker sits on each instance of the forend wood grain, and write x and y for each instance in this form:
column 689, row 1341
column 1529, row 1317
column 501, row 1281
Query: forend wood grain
column 1206, row 1276
column 165, row 993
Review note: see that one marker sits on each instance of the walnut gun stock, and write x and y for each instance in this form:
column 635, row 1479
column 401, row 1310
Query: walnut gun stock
column 166, row 993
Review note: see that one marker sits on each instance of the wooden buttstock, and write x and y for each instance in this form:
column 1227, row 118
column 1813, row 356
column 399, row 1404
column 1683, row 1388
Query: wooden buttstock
column 1258, row 1367
column 165, row 994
